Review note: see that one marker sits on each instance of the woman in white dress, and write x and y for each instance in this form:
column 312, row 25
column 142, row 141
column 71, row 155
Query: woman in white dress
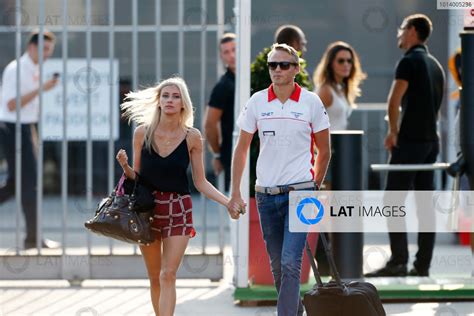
column 337, row 79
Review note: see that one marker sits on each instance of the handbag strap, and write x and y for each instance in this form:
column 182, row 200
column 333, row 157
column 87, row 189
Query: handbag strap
column 119, row 190
column 135, row 182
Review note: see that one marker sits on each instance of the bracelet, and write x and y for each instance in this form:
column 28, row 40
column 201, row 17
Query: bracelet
column 217, row 156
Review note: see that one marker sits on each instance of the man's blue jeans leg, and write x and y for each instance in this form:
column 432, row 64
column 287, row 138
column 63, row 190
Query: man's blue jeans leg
column 285, row 250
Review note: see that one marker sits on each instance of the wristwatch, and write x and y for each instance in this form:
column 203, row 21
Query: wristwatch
column 217, row 156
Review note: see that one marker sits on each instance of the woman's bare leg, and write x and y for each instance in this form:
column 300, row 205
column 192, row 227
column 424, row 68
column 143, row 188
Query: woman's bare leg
column 152, row 256
column 173, row 251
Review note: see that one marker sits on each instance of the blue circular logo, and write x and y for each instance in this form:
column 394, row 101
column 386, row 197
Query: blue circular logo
column 302, row 204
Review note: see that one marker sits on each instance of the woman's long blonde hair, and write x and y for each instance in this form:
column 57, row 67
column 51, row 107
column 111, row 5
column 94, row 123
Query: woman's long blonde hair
column 324, row 74
column 143, row 108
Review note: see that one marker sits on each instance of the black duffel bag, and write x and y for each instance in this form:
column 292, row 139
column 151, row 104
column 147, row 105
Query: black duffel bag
column 126, row 214
column 337, row 298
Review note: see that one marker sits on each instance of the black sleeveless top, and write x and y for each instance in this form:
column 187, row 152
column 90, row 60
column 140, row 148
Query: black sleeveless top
column 166, row 174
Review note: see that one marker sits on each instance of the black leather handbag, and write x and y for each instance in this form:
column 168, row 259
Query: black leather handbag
column 126, row 214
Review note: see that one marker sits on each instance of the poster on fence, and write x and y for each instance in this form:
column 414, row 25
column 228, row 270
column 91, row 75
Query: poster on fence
column 102, row 91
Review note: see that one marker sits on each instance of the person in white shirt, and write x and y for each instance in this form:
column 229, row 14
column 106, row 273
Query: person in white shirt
column 337, row 79
column 29, row 116
column 291, row 123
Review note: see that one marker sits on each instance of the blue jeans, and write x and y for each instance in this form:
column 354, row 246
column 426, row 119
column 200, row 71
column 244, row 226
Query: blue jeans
column 285, row 250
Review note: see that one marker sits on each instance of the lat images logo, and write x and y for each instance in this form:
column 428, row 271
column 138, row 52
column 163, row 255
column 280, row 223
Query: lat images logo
column 310, row 201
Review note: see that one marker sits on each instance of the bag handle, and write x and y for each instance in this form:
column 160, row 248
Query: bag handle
column 119, row 190
column 135, row 183
column 316, row 274
column 332, row 264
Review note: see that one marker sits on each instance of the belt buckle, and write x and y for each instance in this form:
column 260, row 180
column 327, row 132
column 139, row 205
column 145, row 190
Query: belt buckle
column 284, row 189
column 273, row 190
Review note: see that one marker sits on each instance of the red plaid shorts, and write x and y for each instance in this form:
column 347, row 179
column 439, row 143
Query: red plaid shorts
column 173, row 215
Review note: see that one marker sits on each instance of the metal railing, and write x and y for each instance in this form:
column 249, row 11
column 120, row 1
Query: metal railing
column 201, row 264
column 410, row 167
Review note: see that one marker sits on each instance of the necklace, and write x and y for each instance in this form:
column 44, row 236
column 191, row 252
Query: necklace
column 167, row 140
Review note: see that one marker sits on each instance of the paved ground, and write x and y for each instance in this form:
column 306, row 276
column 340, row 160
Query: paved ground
column 195, row 297
column 131, row 298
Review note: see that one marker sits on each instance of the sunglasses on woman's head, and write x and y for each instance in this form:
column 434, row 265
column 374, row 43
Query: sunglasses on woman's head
column 340, row 61
column 284, row 65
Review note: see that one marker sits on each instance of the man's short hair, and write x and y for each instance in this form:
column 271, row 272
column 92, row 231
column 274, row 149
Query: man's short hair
column 288, row 34
column 286, row 48
column 33, row 38
column 226, row 38
column 422, row 25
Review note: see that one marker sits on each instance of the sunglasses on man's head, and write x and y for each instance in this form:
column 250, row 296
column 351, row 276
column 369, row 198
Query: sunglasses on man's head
column 284, row 65
column 340, row 61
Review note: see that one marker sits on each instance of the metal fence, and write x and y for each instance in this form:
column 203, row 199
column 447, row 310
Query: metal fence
column 371, row 118
column 82, row 256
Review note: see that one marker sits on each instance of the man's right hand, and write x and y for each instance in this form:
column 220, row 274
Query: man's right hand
column 50, row 84
column 391, row 141
column 217, row 166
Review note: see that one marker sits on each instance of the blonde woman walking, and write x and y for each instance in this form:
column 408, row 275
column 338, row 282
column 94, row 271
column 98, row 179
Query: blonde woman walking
column 164, row 144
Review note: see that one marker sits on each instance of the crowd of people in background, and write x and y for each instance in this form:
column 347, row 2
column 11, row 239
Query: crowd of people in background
column 412, row 138
column 165, row 143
